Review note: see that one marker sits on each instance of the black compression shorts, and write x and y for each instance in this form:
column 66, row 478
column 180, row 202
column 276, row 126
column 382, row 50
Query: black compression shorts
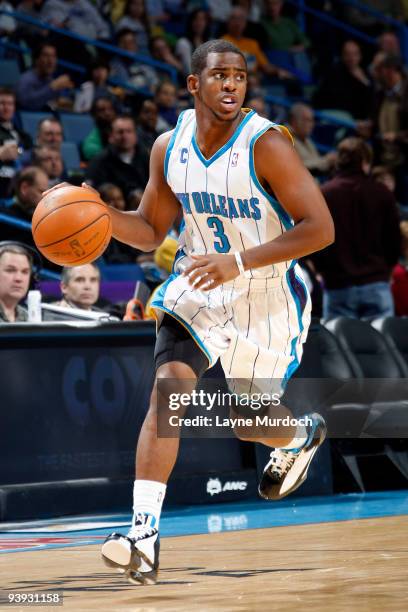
column 174, row 343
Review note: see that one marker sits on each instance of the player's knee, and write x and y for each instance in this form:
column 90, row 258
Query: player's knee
column 176, row 370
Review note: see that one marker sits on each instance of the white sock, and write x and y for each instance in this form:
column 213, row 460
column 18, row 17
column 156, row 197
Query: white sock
column 299, row 440
column 148, row 496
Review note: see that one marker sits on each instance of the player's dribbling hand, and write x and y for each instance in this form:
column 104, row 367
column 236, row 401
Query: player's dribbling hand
column 210, row 271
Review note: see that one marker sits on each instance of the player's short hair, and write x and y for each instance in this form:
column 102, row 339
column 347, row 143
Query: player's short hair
column 352, row 153
column 66, row 272
column 199, row 57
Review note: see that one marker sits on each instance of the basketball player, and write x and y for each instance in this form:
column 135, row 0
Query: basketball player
column 250, row 210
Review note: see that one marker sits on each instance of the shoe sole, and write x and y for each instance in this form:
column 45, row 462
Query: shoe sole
column 275, row 491
column 121, row 555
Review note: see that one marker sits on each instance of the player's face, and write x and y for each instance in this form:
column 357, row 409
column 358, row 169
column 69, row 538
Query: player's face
column 221, row 87
column 15, row 275
column 82, row 288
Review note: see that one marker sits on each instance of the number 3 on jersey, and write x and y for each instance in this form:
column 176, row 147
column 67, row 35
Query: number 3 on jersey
column 221, row 245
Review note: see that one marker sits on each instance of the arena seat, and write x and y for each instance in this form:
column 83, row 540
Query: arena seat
column 76, row 127
column 9, row 73
column 70, row 155
column 367, row 347
column 336, row 363
column 395, row 331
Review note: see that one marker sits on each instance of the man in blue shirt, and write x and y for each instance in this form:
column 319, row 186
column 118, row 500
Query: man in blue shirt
column 38, row 89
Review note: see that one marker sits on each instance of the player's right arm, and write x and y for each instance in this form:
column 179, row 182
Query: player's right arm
column 146, row 227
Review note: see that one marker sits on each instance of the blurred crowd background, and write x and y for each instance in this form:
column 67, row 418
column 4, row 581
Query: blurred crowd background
column 87, row 86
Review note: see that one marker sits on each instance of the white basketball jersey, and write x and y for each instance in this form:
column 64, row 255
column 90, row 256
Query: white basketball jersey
column 225, row 207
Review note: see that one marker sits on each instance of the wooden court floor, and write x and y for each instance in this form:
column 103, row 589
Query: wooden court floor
column 357, row 565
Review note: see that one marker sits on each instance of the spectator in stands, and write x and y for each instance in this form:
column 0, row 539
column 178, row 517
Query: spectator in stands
column 384, row 175
column 31, row 182
column 15, row 274
column 94, row 87
column 103, row 112
column 256, row 59
column 166, row 101
column 347, row 86
column 301, row 122
column 147, row 121
column 13, row 141
column 391, row 120
column 50, row 160
column 258, row 104
column 135, row 18
column 197, row 33
column 367, row 20
column 400, row 276
column 112, row 195
column 50, row 132
column 160, row 51
column 220, row 11
column 283, row 33
column 80, row 287
column 129, row 71
column 7, row 23
column 124, row 162
column 38, row 89
column 357, row 268
column 27, row 32
column 388, row 43
column 77, row 16
column 117, row 252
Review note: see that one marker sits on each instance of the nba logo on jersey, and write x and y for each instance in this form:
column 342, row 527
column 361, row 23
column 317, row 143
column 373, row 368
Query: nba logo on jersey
column 234, row 161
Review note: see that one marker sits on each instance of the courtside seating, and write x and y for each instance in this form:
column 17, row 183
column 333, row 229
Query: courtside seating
column 395, row 331
column 367, row 349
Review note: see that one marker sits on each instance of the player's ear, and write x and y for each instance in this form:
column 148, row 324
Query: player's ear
column 193, row 83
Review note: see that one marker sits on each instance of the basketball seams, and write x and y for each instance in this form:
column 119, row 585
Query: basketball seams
column 34, row 229
column 44, row 246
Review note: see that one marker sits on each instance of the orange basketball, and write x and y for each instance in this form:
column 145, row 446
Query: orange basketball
column 71, row 226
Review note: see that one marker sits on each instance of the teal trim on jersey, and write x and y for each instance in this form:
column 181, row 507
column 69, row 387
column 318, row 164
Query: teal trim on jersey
column 179, row 254
column 171, row 144
column 294, row 364
column 157, row 302
column 278, row 208
column 228, row 144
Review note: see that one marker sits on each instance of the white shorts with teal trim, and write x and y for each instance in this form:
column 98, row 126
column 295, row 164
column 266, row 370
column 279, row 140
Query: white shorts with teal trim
column 256, row 327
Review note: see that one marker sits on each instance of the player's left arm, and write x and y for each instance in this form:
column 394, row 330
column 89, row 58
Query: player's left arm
column 280, row 170
column 278, row 166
